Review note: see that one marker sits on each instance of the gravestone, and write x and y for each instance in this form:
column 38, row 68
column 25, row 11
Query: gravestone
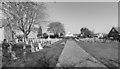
column 13, row 54
column 40, row 47
column 32, row 47
column 16, row 40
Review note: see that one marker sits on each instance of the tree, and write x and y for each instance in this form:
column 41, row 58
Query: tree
column 39, row 32
column 45, row 35
column 23, row 16
column 56, row 28
column 86, row 32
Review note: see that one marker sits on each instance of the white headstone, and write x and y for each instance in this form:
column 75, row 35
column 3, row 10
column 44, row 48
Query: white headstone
column 32, row 47
column 16, row 40
column 24, row 47
column 10, row 49
column 33, row 40
column 40, row 47
column 26, row 42
column 13, row 55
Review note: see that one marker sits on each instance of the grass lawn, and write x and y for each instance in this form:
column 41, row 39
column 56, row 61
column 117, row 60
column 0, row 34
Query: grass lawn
column 107, row 53
column 75, row 56
column 45, row 57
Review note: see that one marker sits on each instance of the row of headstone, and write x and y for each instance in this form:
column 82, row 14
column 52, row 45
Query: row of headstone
column 96, row 40
column 34, row 49
column 40, row 43
column 35, row 46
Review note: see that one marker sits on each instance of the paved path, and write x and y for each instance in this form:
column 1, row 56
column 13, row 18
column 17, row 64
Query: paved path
column 74, row 55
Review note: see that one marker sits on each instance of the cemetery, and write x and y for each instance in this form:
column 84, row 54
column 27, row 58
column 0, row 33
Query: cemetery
column 19, row 50
column 29, row 39
column 59, row 53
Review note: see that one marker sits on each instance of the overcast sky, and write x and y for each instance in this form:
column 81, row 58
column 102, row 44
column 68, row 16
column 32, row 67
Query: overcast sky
column 97, row 16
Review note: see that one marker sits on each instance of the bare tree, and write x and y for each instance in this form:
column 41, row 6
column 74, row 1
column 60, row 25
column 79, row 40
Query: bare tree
column 24, row 16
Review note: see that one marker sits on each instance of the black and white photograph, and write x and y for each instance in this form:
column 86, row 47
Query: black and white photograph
column 63, row 34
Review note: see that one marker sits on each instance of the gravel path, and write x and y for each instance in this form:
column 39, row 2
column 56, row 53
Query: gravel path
column 74, row 55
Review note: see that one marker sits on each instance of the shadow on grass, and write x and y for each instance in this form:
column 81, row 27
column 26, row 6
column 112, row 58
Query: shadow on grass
column 47, row 57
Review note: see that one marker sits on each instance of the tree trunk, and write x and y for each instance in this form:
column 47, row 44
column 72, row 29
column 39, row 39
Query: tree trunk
column 25, row 37
column 13, row 39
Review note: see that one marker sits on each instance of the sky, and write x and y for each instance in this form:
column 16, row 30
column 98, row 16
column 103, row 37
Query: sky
column 62, row 0
column 97, row 16
column 74, row 0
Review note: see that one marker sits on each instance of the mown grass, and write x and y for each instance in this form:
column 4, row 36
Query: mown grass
column 106, row 53
column 45, row 58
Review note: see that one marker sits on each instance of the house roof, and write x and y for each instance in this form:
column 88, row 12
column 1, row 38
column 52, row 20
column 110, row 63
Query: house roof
column 117, row 29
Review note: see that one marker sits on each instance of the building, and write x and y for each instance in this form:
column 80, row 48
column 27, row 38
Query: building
column 51, row 35
column 114, row 33
column 76, row 35
column 32, row 35
column 1, row 28
column 1, row 34
column 5, row 31
column 99, row 35
column 69, row 35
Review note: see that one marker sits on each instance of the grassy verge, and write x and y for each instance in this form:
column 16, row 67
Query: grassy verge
column 107, row 53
